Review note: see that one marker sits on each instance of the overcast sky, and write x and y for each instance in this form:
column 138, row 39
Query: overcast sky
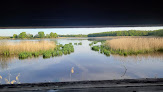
column 64, row 31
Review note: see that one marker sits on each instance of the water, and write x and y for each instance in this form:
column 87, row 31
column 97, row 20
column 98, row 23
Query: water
column 88, row 65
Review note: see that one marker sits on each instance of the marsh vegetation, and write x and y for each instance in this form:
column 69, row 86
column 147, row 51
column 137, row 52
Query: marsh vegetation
column 136, row 45
column 10, row 48
column 55, row 63
column 128, row 33
column 130, row 46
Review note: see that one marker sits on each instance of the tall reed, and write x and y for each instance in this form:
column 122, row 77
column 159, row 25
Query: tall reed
column 136, row 44
column 25, row 46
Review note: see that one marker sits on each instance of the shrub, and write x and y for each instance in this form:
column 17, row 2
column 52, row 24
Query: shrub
column 60, row 53
column 95, row 42
column 106, row 52
column 47, row 54
column 65, row 52
column 54, row 53
column 24, row 55
column 75, row 43
column 36, row 54
column 80, row 43
column 90, row 44
column 95, row 48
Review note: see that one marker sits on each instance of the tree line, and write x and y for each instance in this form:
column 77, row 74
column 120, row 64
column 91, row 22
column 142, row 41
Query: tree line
column 78, row 35
column 112, row 33
column 41, row 34
column 128, row 33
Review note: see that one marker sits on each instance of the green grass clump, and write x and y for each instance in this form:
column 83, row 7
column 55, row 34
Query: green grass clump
column 36, row 54
column 60, row 53
column 106, row 52
column 95, row 42
column 54, row 53
column 63, row 49
column 41, row 52
column 90, row 44
column 24, row 55
column 95, row 48
column 6, row 53
column 70, row 43
column 68, row 48
column 125, row 53
column 65, row 52
column 72, row 49
column 47, row 54
column 60, row 45
column 75, row 44
column 80, row 43
column 102, row 49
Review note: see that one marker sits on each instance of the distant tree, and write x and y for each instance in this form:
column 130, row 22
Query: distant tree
column 15, row 36
column 29, row 36
column 47, row 36
column 23, row 35
column 41, row 34
column 158, row 32
column 53, row 35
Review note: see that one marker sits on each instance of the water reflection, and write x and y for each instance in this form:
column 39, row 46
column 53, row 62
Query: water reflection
column 4, row 60
column 87, row 65
column 141, row 57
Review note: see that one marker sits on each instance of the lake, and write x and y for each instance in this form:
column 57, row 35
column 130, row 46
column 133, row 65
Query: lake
column 87, row 65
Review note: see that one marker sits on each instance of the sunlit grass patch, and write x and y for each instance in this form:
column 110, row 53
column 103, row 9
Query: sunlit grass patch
column 128, row 46
column 8, row 48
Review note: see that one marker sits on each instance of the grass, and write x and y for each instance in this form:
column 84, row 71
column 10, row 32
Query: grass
column 94, row 42
column 68, row 48
column 59, row 50
column 75, row 44
column 24, row 55
column 95, row 48
column 80, row 43
column 47, row 54
column 102, row 49
column 9, row 48
column 27, row 49
column 36, row 54
column 128, row 46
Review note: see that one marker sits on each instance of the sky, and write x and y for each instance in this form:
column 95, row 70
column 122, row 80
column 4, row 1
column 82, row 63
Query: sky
column 64, row 31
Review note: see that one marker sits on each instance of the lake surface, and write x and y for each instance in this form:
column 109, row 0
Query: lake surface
column 88, row 65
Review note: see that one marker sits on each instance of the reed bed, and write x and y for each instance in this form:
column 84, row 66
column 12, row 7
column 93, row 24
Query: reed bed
column 136, row 44
column 25, row 46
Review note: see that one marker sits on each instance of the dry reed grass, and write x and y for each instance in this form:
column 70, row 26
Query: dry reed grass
column 136, row 44
column 26, row 46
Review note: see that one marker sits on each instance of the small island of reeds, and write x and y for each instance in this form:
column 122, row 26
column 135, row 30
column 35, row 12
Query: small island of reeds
column 130, row 46
column 25, row 49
